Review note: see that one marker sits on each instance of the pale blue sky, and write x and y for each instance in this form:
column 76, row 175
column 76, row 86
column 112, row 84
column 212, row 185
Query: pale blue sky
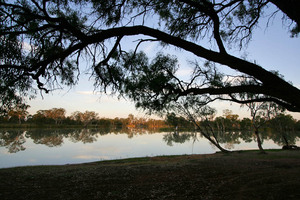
column 270, row 47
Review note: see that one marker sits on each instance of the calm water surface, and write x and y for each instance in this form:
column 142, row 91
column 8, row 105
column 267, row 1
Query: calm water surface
column 58, row 147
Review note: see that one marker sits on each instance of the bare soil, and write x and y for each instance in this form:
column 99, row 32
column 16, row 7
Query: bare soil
column 238, row 175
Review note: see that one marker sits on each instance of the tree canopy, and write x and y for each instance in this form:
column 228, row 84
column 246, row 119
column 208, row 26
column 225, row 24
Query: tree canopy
column 44, row 41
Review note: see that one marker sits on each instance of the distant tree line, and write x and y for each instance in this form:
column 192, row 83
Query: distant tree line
column 57, row 117
column 227, row 122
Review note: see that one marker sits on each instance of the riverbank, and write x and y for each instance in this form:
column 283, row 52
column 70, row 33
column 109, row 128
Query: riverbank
column 238, row 175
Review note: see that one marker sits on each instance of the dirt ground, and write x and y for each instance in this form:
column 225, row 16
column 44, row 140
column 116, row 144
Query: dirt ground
column 238, row 175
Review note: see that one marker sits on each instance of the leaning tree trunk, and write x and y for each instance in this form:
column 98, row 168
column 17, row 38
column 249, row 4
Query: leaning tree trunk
column 259, row 143
column 215, row 143
column 221, row 148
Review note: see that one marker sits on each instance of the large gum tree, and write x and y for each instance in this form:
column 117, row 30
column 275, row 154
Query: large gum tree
column 44, row 41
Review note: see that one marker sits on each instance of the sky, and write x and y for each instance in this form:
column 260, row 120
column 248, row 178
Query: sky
column 270, row 47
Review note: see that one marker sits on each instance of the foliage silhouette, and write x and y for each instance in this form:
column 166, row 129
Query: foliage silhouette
column 43, row 42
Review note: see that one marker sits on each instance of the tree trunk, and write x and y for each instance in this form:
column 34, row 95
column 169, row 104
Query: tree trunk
column 259, row 143
column 285, row 139
column 221, row 148
column 215, row 143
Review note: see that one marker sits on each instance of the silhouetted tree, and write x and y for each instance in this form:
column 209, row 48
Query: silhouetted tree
column 42, row 43
column 227, row 122
column 201, row 116
column 261, row 113
column 245, row 124
column 284, row 127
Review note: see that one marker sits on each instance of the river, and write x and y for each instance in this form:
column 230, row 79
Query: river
column 70, row 146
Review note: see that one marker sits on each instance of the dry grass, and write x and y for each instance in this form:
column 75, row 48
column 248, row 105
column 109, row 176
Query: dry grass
column 238, row 175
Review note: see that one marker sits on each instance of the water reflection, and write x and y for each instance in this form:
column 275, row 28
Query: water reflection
column 47, row 146
column 14, row 140
column 232, row 138
column 48, row 138
column 177, row 137
column 84, row 135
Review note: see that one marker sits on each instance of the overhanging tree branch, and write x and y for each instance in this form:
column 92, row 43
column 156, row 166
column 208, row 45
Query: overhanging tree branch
column 57, row 32
column 275, row 86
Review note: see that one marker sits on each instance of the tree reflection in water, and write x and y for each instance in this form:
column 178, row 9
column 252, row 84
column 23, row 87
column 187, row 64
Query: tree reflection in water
column 14, row 140
column 84, row 135
column 177, row 137
column 231, row 138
